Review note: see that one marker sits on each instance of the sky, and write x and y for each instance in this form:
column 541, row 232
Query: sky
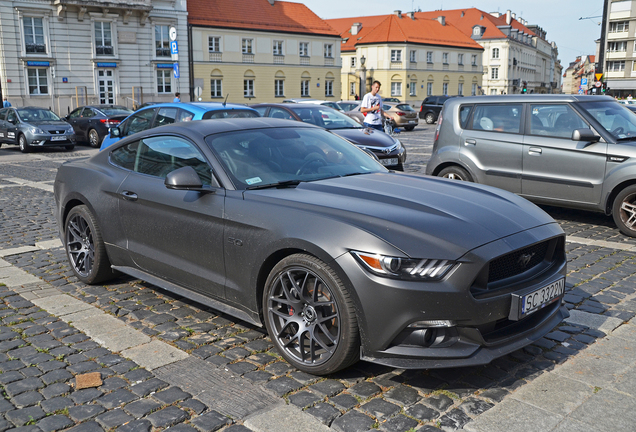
column 559, row 18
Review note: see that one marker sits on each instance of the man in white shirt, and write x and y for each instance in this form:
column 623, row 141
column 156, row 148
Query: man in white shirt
column 371, row 106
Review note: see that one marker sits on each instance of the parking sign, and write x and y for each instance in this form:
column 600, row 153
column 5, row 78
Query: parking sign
column 583, row 81
column 175, row 70
column 174, row 48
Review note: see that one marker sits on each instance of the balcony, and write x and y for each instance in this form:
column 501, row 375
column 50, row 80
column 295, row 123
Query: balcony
column 279, row 59
column 304, row 60
column 616, row 54
column 248, row 58
column 328, row 61
column 216, row 57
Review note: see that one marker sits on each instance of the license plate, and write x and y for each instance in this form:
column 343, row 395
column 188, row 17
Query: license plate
column 411, row 121
column 391, row 161
column 522, row 306
column 58, row 138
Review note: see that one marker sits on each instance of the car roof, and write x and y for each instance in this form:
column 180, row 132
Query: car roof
column 292, row 107
column 532, row 98
column 31, row 107
column 201, row 107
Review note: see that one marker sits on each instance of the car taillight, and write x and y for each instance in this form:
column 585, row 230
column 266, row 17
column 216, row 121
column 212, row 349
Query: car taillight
column 421, row 108
column 109, row 122
column 439, row 126
column 400, row 113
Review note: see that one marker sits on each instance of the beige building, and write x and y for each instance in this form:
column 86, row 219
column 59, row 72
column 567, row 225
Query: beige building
column 412, row 57
column 619, row 66
column 254, row 51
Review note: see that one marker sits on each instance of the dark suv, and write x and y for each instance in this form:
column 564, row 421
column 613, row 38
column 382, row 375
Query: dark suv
column 431, row 106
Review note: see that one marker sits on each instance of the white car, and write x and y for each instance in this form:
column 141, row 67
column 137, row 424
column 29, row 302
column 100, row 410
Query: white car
column 330, row 104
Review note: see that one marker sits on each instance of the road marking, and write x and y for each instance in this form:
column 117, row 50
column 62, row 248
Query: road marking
column 21, row 182
column 601, row 243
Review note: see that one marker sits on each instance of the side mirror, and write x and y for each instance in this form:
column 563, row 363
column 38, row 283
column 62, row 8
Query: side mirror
column 585, row 134
column 115, row 132
column 185, row 178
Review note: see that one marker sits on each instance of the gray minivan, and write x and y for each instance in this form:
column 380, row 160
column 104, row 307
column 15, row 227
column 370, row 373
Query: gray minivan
column 563, row 150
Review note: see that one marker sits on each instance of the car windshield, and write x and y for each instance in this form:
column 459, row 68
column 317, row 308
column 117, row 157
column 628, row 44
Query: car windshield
column 117, row 111
column 615, row 118
column 325, row 117
column 232, row 113
column 259, row 158
column 35, row 114
column 404, row 107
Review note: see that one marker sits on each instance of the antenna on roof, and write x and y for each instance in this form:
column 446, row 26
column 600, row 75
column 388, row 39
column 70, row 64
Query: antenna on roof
column 225, row 101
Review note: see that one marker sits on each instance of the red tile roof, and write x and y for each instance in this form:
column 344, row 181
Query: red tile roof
column 257, row 15
column 390, row 28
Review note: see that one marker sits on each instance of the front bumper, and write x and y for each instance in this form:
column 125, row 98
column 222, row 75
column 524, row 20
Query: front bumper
column 402, row 122
column 481, row 331
column 50, row 140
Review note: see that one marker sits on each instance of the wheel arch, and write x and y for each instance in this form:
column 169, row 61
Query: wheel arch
column 615, row 191
column 443, row 165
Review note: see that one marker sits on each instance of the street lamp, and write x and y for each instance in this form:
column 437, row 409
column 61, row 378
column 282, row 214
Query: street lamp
column 363, row 76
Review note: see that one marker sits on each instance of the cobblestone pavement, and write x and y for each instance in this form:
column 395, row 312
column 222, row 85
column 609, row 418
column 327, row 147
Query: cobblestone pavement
column 34, row 344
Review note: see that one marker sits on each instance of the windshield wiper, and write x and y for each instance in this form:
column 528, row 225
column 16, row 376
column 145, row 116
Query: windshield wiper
column 281, row 184
column 631, row 138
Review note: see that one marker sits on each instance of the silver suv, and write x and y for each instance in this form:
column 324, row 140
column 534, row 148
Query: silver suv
column 563, row 150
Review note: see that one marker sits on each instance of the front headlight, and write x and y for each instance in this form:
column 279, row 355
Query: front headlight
column 404, row 268
column 35, row 130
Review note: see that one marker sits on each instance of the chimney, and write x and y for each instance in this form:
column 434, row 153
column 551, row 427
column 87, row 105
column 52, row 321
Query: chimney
column 508, row 17
column 271, row 2
column 513, row 15
column 495, row 14
column 442, row 20
column 411, row 15
column 398, row 13
column 355, row 28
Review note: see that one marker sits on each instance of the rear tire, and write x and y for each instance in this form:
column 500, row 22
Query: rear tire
column 69, row 147
column 409, row 128
column 93, row 138
column 22, row 142
column 624, row 211
column 429, row 118
column 455, row 173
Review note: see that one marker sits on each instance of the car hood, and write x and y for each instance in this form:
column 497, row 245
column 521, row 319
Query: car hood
column 365, row 137
column 48, row 123
column 418, row 214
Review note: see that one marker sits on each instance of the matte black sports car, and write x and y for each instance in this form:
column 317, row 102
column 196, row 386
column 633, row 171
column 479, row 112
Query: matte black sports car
column 287, row 225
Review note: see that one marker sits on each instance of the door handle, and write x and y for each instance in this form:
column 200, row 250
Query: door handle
column 129, row 196
column 534, row 150
column 470, row 142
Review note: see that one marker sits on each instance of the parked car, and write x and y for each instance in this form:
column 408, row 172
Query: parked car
column 431, row 106
column 288, row 226
column 166, row 113
column 330, row 104
column 352, row 109
column 563, row 150
column 34, row 127
column 391, row 99
column 91, row 123
column 402, row 114
column 387, row 149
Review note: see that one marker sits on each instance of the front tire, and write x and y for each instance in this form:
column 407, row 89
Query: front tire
column 22, row 142
column 429, row 118
column 69, row 147
column 310, row 316
column 85, row 247
column 93, row 138
column 455, row 173
column 624, row 211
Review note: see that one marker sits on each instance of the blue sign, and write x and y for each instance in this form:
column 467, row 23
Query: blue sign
column 38, row 63
column 581, row 92
column 64, row 79
column 583, row 81
column 175, row 70
column 174, row 48
column 165, row 66
column 109, row 65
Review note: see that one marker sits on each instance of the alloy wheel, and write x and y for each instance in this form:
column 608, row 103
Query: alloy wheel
column 80, row 245
column 628, row 211
column 93, row 138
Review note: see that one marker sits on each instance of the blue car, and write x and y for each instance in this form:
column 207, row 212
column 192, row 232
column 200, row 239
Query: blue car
column 166, row 113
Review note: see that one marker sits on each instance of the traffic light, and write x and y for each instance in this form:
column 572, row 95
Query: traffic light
column 605, row 88
column 524, row 90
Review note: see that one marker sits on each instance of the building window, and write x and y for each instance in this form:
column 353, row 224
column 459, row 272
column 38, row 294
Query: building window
column 413, row 59
column 460, row 59
column 278, row 47
column 617, row 46
column 396, row 89
column 429, row 89
column 396, row 55
column 103, row 38
column 429, row 56
column 248, row 88
column 494, row 73
column 473, row 89
column 620, row 26
column 304, row 88
column 493, row 91
column 247, row 46
column 303, row 49
column 460, row 89
column 162, row 41
column 38, row 82
column 164, row 77
column 353, row 62
column 445, row 58
column 329, row 88
column 473, row 60
column 352, row 88
column 495, row 53
column 329, row 50
column 413, row 88
column 34, row 35
column 616, row 66
column 445, row 89
column 216, row 88
column 279, row 88
column 214, row 44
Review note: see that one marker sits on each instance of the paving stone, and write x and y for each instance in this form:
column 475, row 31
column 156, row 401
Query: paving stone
column 22, row 416
column 380, row 408
column 116, row 398
column 495, row 394
column 278, row 368
column 241, row 368
column 475, row 407
column 206, row 351
column 86, row 395
column 9, row 377
column 141, row 407
column 26, row 399
column 365, row 389
column 258, row 345
column 171, row 395
column 324, row 412
column 558, row 336
column 353, row 421
column 31, row 372
column 54, row 390
column 304, row 399
column 422, row 413
column 136, row 426
column 138, row 375
column 403, row 395
column 193, row 404
column 211, row 421
column 237, row 353
column 455, row 419
column 91, row 426
column 113, row 418
column 440, row 402
column 237, row 428
column 328, row 387
column 182, row 428
column 83, row 367
column 167, row 417
column 5, row 405
column 150, row 386
column 282, row 386
column 258, row 376
column 56, row 403
column 399, row 423
column 113, row 383
column 54, row 423
column 84, row 412
column 27, row 384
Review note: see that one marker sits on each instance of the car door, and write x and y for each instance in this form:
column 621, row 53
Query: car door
column 84, row 122
column 556, row 168
column 12, row 124
column 491, row 146
column 3, row 126
column 139, row 121
column 174, row 234
column 73, row 119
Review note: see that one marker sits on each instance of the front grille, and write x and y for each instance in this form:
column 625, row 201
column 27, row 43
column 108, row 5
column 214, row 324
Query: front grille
column 517, row 262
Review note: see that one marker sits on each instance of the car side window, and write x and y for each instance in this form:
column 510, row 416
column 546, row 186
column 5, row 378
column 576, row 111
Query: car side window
column 497, row 118
column 184, row 115
column 140, row 121
column 158, row 156
column 11, row 117
column 88, row 113
column 555, row 120
column 279, row 113
column 464, row 114
column 165, row 116
column 75, row 113
column 125, row 156
column 261, row 110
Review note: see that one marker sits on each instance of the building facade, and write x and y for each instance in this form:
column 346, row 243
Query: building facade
column 619, row 66
column 63, row 53
column 578, row 77
column 412, row 57
column 252, row 51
